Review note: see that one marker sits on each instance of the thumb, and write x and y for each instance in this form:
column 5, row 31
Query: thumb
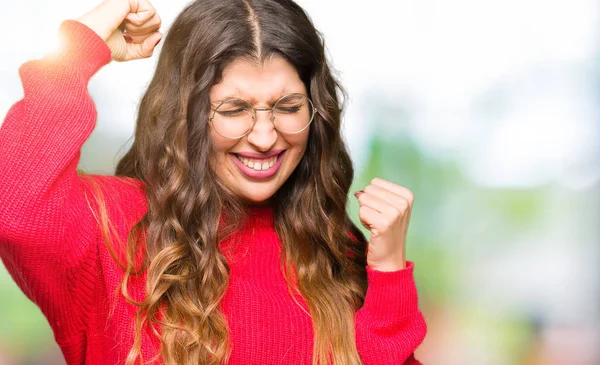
column 144, row 49
column 362, row 221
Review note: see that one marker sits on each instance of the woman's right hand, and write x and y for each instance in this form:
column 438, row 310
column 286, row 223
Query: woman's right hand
column 138, row 17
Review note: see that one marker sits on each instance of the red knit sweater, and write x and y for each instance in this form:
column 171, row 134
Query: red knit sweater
column 51, row 244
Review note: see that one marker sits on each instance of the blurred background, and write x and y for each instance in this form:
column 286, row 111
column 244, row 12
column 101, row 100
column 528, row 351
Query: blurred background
column 489, row 111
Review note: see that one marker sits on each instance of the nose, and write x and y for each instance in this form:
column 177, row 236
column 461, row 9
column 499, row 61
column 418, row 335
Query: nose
column 264, row 135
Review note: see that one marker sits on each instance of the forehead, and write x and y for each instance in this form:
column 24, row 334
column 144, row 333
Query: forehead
column 257, row 82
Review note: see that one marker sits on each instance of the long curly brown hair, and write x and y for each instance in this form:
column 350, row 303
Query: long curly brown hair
column 187, row 275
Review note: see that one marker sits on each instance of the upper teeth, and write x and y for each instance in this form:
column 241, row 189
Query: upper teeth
column 257, row 164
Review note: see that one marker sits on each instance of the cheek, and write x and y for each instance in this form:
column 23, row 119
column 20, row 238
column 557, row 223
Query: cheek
column 297, row 141
column 220, row 155
column 299, row 144
column 221, row 146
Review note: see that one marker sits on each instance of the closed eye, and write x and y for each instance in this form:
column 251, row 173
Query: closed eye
column 289, row 110
column 231, row 113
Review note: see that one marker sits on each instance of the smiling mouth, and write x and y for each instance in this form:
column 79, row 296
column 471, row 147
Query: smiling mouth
column 259, row 168
column 258, row 164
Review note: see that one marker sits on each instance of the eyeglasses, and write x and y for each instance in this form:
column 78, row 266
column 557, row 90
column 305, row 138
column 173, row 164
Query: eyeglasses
column 235, row 118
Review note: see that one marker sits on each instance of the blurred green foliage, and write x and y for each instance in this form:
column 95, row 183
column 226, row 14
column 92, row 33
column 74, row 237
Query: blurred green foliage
column 23, row 325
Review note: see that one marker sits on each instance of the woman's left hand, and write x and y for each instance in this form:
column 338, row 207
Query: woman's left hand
column 385, row 210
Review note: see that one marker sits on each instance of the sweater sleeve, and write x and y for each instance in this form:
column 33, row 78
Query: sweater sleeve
column 389, row 326
column 46, row 226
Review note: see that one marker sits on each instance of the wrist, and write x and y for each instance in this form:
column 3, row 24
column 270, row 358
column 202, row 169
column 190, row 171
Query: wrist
column 106, row 17
column 81, row 50
column 388, row 266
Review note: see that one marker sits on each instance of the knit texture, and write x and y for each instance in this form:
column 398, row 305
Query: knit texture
column 51, row 244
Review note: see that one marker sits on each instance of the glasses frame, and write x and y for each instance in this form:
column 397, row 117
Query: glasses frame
column 272, row 118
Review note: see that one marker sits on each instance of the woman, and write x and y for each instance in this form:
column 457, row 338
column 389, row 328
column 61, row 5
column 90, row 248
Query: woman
column 223, row 237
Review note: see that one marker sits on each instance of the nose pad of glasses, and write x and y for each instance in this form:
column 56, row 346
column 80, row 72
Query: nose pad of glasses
column 269, row 113
column 262, row 135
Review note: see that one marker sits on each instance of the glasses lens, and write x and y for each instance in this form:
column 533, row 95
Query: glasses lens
column 233, row 118
column 293, row 113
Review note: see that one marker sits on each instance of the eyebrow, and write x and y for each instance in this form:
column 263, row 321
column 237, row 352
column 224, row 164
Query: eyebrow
column 252, row 100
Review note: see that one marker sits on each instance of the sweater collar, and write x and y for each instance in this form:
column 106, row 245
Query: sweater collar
column 261, row 215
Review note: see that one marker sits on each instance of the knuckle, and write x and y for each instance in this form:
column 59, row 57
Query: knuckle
column 131, row 31
column 410, row 196
column 133, row 20
column 362, row 211
column 396, row 213
column 403, row 205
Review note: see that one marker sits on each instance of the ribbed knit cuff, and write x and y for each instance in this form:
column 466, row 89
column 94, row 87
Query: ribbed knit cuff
column 391, row 296
column 81, row 49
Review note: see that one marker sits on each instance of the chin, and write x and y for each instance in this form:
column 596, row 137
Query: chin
column 256, row 198
column 259, row 195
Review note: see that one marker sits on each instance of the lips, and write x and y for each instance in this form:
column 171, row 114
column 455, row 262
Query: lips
column 263, row 159
column 258, row 155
